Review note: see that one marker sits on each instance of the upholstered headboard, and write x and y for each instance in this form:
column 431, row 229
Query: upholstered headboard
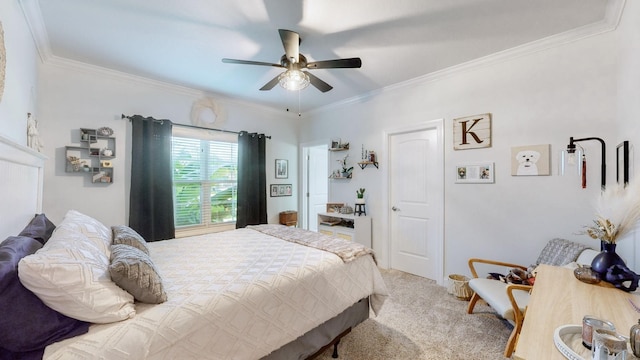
column 21, row 183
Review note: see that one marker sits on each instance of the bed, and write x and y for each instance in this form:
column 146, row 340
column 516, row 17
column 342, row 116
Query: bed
column 264, row 292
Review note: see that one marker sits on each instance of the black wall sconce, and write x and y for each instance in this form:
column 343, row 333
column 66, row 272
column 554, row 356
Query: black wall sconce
column 571, row 151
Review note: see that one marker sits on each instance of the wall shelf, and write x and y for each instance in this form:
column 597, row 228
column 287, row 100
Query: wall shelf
column 340, row 173
column 364, row 164
column 93, row 156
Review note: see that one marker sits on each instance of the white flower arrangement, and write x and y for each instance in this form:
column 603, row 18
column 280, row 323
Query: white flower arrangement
column 617, row 212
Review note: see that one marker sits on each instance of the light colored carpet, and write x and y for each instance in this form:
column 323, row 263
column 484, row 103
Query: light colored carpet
column 420, row 320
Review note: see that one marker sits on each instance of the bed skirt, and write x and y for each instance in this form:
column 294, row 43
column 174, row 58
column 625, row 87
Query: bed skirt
column 323, row 335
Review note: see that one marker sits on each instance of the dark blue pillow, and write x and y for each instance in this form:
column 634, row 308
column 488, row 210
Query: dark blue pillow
column 39, row 228
column 27, row 324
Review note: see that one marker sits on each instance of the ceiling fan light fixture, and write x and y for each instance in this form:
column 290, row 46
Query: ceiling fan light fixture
column 293, row 80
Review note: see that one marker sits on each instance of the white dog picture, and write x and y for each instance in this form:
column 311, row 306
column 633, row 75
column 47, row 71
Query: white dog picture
column 532, row 160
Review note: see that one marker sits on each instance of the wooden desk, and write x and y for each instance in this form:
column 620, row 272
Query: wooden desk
column 558, row 298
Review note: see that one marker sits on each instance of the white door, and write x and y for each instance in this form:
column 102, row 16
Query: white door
column 416, row 201
column 317, row 180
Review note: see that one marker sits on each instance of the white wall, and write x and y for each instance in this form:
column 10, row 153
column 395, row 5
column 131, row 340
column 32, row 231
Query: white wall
column 541, row 98
column 21, row 81
column 628, row 118
column 585, row 88
column 74, row 96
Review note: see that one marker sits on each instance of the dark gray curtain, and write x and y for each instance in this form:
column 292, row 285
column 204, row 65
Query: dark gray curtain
column 151, row 199
column 252, row 180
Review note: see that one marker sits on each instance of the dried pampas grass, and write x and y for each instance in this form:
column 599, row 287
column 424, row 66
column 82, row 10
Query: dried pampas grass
column 617, row 212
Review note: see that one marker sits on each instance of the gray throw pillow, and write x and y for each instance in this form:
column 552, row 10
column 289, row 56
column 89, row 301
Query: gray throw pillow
column 133, row 270
column 123, row 234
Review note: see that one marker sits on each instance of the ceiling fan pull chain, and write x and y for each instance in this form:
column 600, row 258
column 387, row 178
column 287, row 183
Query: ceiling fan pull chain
column 299, row 113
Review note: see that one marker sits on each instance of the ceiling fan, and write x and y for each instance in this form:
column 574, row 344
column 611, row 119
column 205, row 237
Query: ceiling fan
column 294, row 78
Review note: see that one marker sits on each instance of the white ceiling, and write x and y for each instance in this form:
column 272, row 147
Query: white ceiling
column 183, row 41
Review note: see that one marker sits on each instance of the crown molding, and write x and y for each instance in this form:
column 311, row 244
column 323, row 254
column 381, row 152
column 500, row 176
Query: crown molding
column 33, row 17
column 613, row 14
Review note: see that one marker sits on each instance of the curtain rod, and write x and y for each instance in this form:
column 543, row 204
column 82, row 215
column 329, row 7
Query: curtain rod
column 196, row 127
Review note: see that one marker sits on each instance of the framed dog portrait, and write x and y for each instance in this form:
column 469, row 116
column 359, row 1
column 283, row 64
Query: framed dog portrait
column 481, row 173
column 531, row 160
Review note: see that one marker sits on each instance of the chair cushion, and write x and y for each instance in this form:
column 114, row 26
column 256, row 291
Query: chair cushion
column 494, row 292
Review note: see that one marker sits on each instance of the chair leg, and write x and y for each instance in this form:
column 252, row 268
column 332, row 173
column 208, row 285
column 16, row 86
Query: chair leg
column 508, row 350
column 513, row 340
column 472, row 302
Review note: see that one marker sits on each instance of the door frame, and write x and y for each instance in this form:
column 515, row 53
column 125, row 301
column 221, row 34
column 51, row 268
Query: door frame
column 303, row 199
column 438, row 125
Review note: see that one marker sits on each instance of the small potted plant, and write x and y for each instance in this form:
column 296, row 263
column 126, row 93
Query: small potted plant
column 360, row 196
column 346, row 171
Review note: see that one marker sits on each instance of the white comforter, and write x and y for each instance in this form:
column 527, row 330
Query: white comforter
column 232, row 295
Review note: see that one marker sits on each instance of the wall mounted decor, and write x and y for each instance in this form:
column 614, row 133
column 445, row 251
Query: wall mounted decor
column 206, row 113
column 480, row 173
column 281, row 190
column 94, row 155
column 531, row 160
column 622, row 162
column 472, row 132
column 282, row 169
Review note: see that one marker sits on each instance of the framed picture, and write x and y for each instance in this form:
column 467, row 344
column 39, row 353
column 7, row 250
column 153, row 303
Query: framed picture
column 472, row 132
column 481, row 173
column 622, row 162
column 282, row 169
column 276, row 190
column 531, row 160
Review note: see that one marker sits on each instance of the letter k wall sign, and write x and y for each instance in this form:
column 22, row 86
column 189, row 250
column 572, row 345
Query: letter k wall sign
column 472, row 132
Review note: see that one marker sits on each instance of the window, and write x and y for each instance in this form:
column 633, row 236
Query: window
column 204, row 178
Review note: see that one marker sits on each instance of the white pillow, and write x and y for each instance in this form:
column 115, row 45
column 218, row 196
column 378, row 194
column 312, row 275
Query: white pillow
column 96, row 231
column 70, row 274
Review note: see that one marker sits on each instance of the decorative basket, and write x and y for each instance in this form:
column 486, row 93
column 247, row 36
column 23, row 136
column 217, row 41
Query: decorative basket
column 459, row 285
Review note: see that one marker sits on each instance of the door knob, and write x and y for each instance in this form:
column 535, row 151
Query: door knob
column 395, row 209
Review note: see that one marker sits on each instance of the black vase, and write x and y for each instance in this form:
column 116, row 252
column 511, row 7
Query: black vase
column 605, row 259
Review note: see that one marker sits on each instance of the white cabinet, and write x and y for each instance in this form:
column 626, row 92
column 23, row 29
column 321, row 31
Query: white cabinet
column 346, row 226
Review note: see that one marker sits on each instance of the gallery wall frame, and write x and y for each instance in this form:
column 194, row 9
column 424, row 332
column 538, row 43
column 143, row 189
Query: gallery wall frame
column 477, row 173
column 472, row 132
column 622, row 162
column 531, row 160
column 282, row 169
column 277, row 190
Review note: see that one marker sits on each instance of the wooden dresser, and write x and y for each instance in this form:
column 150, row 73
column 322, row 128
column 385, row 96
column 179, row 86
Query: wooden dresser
column 558, row 298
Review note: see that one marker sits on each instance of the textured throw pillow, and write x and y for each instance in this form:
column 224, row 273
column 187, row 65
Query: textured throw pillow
column 134, row 271
column 93, row 229
column 123, row 234
column 559, row 252
column 39, row 228
column 70, row 274
column 27, row 324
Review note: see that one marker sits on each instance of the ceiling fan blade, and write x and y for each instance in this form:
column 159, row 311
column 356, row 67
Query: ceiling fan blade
column 249, row 62
column 333, row 64
column 319, row 84
column 270, row 84
column 291, row 43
